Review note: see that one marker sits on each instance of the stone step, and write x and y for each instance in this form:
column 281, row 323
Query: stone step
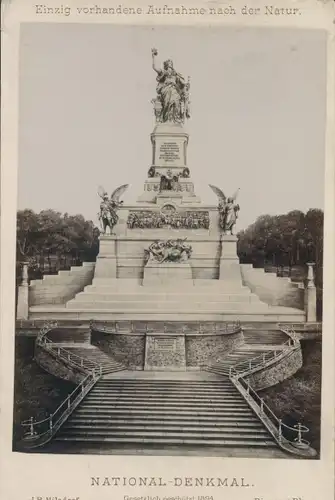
column 160, row 297
column 119, row 284
column 168, row 421
column 183, row 394
column 175, row 433
column 153, row 400
column 195, row 410
column 164, row 383
column 162, row 403
column 270, row 315
column 169, row 306
column 170, row 441
column 210, row 418
column 237, row 432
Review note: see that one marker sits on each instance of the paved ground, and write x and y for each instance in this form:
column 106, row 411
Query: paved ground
column 171, row 451
column 161, row 375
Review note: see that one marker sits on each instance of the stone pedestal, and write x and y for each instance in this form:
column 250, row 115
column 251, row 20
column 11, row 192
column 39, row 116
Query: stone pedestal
column 106, row 260
column 22, row 311
column 165, row 352
column 169, row 146
column 310, row 295
column 166, row 273
column 229, row 261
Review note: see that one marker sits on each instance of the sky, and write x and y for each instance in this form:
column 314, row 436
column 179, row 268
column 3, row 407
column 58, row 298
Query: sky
column 258, row 113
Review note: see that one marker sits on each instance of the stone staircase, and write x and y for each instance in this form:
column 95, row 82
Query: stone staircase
column 257, row 342
column 93, row 356
column 207, row 412
column 237, row 356
column 69, row 334
column 61, row 287
column 264, row 337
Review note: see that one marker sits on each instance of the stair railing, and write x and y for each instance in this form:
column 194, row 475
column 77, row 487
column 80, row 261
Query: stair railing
column 39, row 432
column 69, row 357
column 275, row 425
column 263, row 359
column 290, row 332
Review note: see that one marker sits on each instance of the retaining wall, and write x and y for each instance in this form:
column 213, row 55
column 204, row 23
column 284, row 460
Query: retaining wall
column 278, row 372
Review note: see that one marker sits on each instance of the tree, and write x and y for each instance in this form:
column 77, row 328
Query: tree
column 53, row 236
column 284, row 240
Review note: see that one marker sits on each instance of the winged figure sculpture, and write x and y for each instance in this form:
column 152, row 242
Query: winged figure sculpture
column 108, row 207
column 228, row 209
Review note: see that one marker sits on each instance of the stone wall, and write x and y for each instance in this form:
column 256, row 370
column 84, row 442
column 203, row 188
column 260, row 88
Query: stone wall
column 59, row 288
column 57, row 367
column 126, row 349
column 204, row 349
column 277, row 372
column 129, row 349
column 271, row 289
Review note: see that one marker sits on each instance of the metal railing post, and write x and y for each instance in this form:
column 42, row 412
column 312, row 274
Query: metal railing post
column 31, row 426
column 280, row 431
column 299, row 434
column 262, row 405
column 50, row 422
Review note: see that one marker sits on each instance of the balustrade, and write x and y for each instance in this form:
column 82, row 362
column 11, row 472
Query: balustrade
column 164, row 327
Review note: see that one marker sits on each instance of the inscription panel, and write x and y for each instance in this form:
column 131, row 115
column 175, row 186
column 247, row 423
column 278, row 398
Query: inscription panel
column 169, row 151
column 165, row 344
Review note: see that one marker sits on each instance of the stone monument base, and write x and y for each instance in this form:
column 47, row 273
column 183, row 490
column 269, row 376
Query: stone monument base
column 166, row 273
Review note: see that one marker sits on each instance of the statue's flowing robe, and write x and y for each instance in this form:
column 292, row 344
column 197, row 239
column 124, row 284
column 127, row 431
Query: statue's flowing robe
column 170, row 84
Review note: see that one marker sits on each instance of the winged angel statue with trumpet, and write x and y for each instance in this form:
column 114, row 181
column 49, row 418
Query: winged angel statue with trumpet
column 228, row 210
column 108, row 207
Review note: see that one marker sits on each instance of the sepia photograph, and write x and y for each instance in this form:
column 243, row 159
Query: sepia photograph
column 169, row 240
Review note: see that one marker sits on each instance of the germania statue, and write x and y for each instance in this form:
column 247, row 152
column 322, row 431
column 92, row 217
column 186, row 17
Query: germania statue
column 172, row 103
column 108, row 208
column 228, row 210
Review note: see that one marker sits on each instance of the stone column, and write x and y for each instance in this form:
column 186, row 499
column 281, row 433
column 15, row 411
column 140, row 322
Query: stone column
column 22, row 311
column 310, row 298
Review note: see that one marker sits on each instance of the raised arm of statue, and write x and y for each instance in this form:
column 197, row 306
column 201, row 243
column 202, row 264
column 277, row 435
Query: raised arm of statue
column 154, row 66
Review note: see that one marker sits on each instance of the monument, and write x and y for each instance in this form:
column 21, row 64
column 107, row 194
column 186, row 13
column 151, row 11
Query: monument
column 170, row 257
